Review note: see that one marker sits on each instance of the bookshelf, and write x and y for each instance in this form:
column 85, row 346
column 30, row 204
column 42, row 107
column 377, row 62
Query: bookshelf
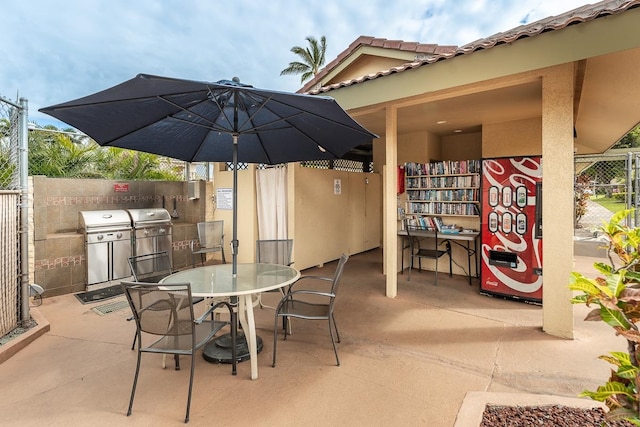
column 447, row 188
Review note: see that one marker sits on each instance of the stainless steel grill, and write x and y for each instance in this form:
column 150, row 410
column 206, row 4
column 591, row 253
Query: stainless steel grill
column 152, row 231
column 107, row 244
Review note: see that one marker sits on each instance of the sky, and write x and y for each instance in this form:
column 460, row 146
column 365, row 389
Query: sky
column 53, row 51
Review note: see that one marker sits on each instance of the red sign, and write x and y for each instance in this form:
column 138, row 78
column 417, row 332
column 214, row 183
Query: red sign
column 121, row 188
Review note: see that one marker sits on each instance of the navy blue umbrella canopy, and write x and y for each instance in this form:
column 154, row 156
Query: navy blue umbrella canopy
column 225, row 121
column 196, row 121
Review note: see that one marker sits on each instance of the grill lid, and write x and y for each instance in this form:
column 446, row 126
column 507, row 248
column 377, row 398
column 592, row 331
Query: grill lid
column 149, row 215
column 103, row 218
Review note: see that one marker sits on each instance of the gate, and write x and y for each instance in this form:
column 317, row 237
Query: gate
column 604, row 185
column 14, row 304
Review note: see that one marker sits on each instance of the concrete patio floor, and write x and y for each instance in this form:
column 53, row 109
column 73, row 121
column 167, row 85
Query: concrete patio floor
column 410, row 360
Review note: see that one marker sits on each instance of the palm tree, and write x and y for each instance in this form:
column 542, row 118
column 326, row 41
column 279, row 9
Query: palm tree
column 312, row 59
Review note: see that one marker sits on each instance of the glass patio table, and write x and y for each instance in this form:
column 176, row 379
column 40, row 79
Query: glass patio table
column 213, row 281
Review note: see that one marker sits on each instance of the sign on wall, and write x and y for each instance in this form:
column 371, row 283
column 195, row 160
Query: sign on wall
column 121, row 187
column 224, row 198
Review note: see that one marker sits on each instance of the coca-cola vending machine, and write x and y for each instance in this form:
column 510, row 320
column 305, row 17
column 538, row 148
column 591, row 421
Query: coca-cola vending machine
column 511, row 214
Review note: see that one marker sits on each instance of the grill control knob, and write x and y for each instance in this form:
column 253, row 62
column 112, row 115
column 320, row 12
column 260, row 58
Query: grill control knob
column 119, row 235
column 100, row 237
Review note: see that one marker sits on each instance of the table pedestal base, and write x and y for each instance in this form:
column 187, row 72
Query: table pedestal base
column 219, row 350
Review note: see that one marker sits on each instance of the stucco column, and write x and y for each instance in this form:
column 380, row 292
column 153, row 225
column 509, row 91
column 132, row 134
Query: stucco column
column 557, row 200
column 390, row 212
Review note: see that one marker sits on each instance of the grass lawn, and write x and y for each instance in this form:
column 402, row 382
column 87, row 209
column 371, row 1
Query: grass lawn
column 614, row 205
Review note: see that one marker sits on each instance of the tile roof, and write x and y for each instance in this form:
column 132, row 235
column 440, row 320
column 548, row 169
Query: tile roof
column 420, row 49
column 430, row 53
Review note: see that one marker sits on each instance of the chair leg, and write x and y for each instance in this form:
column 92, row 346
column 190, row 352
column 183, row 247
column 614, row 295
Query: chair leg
column 435, row 282
column 275, row 341
column 451, row 262
column 224, row 260
column 177, row 360
column 135, row 383
column 193, row 367
column 333, row 341
column 335, row 325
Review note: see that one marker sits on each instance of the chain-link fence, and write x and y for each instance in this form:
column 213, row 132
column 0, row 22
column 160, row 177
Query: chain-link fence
column 66, row 153
column 11, row 296
column 603, row 186
column 9, row 177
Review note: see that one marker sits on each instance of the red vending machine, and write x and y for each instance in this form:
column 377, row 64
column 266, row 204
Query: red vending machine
column 511, row 253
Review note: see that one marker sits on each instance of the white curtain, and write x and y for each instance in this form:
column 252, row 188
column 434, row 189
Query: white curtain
column 271, row 194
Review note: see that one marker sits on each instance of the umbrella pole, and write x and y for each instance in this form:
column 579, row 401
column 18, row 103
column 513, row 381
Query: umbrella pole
column 234, row 242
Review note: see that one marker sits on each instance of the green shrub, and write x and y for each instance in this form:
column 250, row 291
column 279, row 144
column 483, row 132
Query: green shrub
column 617, row 294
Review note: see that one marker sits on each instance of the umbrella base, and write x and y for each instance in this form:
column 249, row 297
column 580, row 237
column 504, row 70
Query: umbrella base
column 219, row 350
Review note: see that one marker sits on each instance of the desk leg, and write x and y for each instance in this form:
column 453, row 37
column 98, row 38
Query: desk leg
column 247, row 321
column 469, row 259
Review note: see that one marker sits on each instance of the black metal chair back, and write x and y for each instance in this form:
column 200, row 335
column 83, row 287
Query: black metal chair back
column 164, row 312
column 311, row 304
column 150, row 268
column 276, row 251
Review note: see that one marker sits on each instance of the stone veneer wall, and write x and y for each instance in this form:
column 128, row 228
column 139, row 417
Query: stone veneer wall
column 59, row 264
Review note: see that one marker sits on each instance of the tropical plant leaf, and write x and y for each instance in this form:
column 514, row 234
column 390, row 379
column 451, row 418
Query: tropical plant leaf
column 615, row 285
column 630, row 334
column 613, row 318
column 617, row 358
column 603, row 268
column 583, row 284
column 608, row 390
column 633, row 276
column 593, row 315
column 628, row 372
column 580, row 299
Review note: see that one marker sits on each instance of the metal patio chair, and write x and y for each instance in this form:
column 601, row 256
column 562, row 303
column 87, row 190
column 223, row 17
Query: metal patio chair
column 276, row 251
column 311, row 304
column 151, row 268
column 210, row 240
column 416, row 251
column 164, row 312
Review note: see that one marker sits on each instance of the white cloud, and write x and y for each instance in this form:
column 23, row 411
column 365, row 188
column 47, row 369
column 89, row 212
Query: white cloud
column 53, row 52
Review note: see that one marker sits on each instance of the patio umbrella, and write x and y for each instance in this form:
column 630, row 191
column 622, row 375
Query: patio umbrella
column 225, row 121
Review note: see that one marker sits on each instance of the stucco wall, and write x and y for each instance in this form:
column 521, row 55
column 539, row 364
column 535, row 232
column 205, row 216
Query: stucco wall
column 328, row 224
column 322, row 224
column 247, row 219
column 464, row 146
column 510, row 139
column 420, row 147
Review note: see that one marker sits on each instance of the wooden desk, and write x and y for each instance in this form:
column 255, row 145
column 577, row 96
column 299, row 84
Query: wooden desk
column 457, row 238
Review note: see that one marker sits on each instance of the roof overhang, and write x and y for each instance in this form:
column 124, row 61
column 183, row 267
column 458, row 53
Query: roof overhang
column 503, row 82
